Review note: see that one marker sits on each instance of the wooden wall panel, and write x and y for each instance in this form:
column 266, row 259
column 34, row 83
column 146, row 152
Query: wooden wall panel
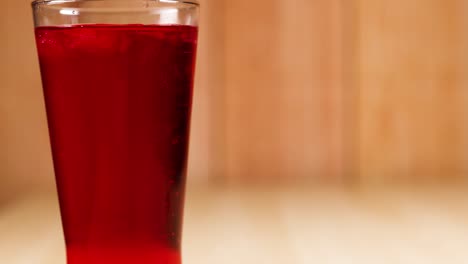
column 412, row 86
column 283, row 90
column 289, row 91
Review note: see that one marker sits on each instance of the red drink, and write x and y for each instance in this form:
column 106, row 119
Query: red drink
column 118, row 102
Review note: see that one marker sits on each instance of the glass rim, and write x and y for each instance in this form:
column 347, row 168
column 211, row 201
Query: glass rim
column 41, row 2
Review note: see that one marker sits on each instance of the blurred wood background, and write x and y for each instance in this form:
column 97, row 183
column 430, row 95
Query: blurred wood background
column 412, row 80
column 366, row 91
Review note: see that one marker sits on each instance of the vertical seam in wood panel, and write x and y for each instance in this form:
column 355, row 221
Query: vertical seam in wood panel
column 225, row 131
column 219, row 176
column 351, row 68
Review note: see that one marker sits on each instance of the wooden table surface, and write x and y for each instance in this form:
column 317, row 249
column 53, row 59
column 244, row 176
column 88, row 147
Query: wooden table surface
column 284, row 226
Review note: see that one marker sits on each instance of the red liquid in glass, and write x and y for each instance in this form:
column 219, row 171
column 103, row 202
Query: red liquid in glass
column 118, row 102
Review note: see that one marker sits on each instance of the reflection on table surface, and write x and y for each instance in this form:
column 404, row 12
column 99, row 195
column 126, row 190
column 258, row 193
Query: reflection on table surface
column 280, row 225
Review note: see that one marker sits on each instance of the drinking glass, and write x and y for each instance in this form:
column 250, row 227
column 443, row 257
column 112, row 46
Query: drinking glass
column 117, row 78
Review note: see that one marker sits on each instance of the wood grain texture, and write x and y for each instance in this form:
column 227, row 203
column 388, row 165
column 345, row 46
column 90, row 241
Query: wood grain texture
column 283, row 90
column 324, row 90
column 412, row 87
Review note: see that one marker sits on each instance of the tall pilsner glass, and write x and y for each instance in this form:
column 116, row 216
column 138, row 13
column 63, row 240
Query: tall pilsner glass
column 117, row 78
